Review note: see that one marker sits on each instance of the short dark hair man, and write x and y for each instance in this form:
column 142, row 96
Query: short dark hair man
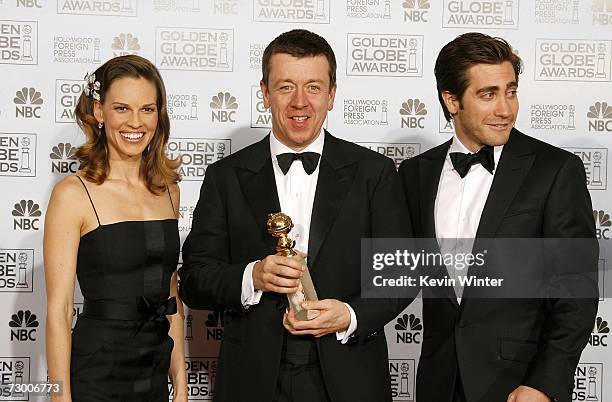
column 336, row 193
column 492, row 181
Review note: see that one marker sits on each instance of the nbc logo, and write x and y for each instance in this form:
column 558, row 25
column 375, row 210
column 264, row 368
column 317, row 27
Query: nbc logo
column 416, row 10
column 223, row 107
column 124, row 44
column 600, row 117
column 23, row 326
column 27, row 103
column 214, row 325
column 599, row 336
column 27, row 215
column 63, row 158
column 226, row 7
column 602, row 12
column 413, row 113
column 408, row 329
column 28, row 3
column 602, row 224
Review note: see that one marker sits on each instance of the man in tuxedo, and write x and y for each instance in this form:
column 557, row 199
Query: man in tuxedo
column 336, row 193
column 492, row 181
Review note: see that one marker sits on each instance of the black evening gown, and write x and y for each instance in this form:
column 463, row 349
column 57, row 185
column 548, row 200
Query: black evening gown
column 120, row 343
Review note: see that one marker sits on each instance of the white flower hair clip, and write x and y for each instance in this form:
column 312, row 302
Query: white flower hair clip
column 92, row 87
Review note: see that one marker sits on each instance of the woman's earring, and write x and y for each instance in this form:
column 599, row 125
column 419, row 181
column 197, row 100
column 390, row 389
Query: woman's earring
column 100, row 125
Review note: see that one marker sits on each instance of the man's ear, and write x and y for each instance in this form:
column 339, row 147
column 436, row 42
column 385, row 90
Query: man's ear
column 265, row 93
column 452, row 102
column 332, row 96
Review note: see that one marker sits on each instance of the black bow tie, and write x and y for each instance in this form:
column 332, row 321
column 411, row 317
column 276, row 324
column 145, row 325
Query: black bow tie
column 462, row 162
column 309, row 161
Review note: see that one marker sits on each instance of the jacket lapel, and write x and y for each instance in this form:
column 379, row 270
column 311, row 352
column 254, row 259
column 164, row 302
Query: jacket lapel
column 256, row 179
column 430, row 170
column 429, row 179
column 514, row 164
column 336, row 174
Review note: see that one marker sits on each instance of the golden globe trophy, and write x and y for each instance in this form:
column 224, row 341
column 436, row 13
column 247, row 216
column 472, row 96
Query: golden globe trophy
column 279, row 225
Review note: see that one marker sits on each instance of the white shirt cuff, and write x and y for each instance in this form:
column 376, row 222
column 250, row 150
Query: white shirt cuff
column 343, row 336
column 249, row 296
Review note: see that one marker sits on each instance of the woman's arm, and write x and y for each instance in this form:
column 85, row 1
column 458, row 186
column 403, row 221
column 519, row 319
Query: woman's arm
column 61, row 242
column 178, row 375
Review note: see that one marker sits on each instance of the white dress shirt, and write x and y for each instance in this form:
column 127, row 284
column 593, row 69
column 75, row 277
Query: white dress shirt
column 459, row 205
column 296, row 192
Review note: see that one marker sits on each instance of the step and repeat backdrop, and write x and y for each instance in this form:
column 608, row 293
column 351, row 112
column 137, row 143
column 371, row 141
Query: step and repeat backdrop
column 209, row 53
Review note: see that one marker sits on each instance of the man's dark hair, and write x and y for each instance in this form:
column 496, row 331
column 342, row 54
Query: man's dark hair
column 299, row 43
column 465, row 51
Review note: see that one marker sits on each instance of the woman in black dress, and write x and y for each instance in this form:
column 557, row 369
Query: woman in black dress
column 113, row 226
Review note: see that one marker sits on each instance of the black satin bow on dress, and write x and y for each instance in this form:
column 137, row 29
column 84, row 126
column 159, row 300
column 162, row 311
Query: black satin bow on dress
column 142, row 312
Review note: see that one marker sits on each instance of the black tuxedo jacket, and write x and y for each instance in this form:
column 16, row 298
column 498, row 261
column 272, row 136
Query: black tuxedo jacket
column 539, row 191
column 358, row 195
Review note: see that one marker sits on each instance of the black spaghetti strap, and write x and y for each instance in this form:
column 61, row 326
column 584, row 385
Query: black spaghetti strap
column 170, row 196
column 90, row 200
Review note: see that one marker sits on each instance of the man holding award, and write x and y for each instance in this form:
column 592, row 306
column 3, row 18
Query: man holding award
column 238, row 258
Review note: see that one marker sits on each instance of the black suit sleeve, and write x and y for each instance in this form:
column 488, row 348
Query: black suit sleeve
column 389, row 219
column 571, row 314
column 207, row 279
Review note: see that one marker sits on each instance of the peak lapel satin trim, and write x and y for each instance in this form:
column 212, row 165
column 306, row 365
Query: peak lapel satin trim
column 514, row 165
column 429, row 180
column 336, row 174
column 259, row 187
